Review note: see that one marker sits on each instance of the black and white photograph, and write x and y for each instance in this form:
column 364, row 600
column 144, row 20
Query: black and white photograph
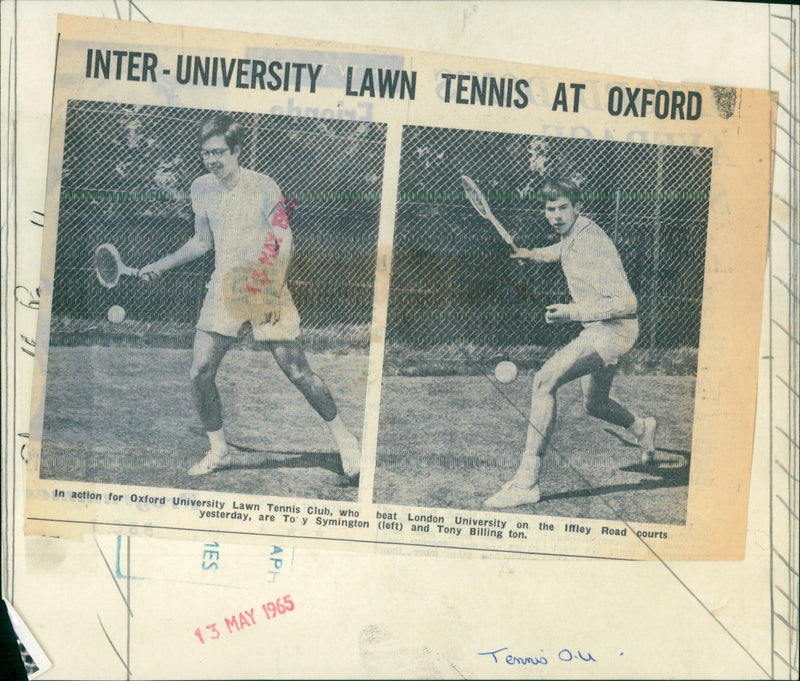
column 543, row 325
column 213, row 294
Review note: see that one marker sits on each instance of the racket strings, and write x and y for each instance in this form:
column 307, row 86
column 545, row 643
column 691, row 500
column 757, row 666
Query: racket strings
column 475, row 197
column 107, row 266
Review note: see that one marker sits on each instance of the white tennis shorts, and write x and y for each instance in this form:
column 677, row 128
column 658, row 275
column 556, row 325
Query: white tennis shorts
column 216, row 317
column 611, row 338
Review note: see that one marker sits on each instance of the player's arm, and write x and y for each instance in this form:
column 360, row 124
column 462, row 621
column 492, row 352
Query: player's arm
column 285, row 255
column 610, row 307
column 276, row 260
column 279, row 244
column 546, row 254
column 612, row 297
column 201, row 242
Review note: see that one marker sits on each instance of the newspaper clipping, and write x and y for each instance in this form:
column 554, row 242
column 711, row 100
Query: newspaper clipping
column 395, row 300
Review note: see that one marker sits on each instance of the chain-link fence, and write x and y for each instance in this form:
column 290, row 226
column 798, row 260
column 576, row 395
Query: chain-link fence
column 126, row 175
column 454, row 289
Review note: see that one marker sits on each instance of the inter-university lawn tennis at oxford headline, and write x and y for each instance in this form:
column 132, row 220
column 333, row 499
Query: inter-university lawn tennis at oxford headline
column 382, row 83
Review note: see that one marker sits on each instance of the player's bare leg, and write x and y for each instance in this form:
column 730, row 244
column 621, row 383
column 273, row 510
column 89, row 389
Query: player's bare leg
column 596, row 401
column 291, row 358
column 207, row 354
column 573, row 361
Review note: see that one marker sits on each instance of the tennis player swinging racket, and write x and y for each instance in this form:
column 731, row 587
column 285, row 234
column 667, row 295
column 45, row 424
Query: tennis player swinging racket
column 241, row 215
column 606, row 306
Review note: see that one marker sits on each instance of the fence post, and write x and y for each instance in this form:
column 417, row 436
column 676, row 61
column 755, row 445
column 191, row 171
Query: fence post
column 655, row 283
column 616, row 217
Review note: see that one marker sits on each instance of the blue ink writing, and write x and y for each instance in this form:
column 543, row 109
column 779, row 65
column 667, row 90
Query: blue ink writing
column 564, row 655
column 211, row 556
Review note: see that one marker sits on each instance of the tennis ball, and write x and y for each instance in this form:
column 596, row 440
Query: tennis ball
column 505, row 372
column 116, row 314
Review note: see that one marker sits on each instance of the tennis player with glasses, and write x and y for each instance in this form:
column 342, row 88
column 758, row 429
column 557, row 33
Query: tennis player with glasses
column 606, row 306
column 241, row 215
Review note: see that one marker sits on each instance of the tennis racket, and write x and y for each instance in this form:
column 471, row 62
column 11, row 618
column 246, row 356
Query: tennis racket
column 109, row 266
column 478, row 201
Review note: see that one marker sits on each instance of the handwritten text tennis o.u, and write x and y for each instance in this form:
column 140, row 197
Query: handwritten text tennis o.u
column 564, row 655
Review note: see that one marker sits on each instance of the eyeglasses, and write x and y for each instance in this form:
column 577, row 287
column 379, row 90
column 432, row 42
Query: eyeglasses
column 213, row 153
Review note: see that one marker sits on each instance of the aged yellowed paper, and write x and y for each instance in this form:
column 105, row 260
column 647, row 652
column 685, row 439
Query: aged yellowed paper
column 271, row 264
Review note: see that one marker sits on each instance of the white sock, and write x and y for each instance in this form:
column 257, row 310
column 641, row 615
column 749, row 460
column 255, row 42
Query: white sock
column 528, row 473
column 217, row 440
column 637, row 427
column 338, row 429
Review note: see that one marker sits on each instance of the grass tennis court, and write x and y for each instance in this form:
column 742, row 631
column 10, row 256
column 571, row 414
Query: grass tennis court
column 452, row 441
column 125, row 416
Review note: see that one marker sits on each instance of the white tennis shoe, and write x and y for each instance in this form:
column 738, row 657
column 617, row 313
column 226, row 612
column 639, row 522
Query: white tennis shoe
column 511, row 494
column 350, row 454
column 647, row 441
column 213, row 461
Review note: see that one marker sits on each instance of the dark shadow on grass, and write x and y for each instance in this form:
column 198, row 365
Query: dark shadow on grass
column 265, row 458
column 668, row 477
column 278, row 460
column 287, row 459
column 628, row 443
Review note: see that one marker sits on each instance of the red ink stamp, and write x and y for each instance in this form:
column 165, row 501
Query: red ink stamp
column 280, row 216
column 258, row 279
column 245, row 619
column 269, row 251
